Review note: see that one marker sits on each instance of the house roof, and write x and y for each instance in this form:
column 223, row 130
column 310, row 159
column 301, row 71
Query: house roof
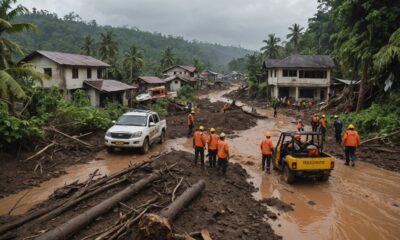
column 347, row 82
column 108, row 85
column 187, row 68
column 151, row 79
column 183, row 78
column 69, row 59
column 301, row 61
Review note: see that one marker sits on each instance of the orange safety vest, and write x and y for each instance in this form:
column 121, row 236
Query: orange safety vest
column 298, row 103
column 323, row 122
column 190, row 119
column 266, row 146
column 212, row 141
column 199, row 139
column 223, row 149
column 315, row 119
column 226, row 106
column 351, row 139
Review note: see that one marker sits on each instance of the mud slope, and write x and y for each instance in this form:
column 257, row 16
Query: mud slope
column 225, row 208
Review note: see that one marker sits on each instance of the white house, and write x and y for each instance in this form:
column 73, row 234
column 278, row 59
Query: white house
column 187, row 71
column 300, row 76
column 70, row 72
column 175, row 82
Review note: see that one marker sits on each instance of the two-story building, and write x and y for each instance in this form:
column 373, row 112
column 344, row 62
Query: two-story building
column 300, row 76
column 186, row 72
column 70, row 72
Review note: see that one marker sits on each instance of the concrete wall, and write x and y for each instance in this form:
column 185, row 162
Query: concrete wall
column 175, row 85
column 296, row 81
column 179, row 71
column 40, row 63
column 93, row 97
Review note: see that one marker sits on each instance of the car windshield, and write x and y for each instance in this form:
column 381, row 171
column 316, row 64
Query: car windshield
column 130, row 120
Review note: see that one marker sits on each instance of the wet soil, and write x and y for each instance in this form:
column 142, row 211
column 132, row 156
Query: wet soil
column 16, row 175
column 210, row 115
column 226, row 208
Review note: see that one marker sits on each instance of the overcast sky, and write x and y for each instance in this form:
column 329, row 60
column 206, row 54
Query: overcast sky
column 228, row 22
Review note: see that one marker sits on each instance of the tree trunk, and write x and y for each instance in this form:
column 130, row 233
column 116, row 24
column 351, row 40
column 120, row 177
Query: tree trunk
column 11, row 105
column 363, row 87
column 68, row 229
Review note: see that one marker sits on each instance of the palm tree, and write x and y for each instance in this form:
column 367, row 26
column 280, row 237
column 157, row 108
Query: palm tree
column 133, row 60
column 87, row 47
column 12, row 76
column 294, row 35
column 167, row 58
column 108, row 46
column 271, row 49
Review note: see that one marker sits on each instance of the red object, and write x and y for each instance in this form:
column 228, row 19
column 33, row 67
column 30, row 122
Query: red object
column 313, row 152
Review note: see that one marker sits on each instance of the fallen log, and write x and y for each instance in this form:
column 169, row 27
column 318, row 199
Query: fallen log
column 72, row 226
column 381, row 137
column 69, row 136
column 40, row 152
column 158, row 226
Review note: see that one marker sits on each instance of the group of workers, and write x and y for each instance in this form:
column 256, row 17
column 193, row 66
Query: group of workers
column 218, row 149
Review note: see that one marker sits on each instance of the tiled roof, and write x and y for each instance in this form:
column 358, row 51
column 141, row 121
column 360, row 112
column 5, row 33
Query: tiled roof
column 301, row 61
column 151, row 79
column 108, row 85
column 69, row 59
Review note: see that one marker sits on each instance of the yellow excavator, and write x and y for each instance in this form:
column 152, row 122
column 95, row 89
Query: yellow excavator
column 300, row 154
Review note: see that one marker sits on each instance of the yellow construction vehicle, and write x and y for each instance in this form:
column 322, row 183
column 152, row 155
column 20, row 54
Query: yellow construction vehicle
column 300, row 154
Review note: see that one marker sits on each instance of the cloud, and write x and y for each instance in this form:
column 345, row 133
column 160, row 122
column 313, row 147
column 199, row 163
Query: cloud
column 234, row 22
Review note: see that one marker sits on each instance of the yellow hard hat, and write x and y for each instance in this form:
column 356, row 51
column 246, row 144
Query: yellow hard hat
column 351, row 126
column 315, row 114
column 201, row 128
column 268, row 134
column 323, row 115
column 222, row 135
column 212, row 130
column 193, row 112
column 336, row 116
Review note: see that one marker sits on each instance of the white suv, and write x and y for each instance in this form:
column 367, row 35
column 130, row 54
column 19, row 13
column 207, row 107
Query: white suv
column 136, row 129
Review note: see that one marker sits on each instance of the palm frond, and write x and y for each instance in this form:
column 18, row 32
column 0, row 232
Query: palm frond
column 22, row 27
column 9, row 84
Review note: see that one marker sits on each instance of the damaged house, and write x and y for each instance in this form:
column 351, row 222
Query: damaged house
column 70, row 72
column 300, row 77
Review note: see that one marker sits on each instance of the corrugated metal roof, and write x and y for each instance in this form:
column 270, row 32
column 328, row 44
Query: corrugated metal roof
column 151, row 79
column 108, row 85
column 187, row 68
column 69, row 59
column 301, row 61
column 183, row 78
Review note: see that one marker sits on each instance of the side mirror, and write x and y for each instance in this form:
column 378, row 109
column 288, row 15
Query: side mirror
column 152, row 124
column 113, row 122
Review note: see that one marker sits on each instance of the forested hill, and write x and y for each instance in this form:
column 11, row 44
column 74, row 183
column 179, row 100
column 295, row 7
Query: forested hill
column 67, row 35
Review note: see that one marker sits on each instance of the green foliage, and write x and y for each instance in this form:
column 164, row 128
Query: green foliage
column 161, row 107
column 186, row 94
column 80, row 99
column 271, row 49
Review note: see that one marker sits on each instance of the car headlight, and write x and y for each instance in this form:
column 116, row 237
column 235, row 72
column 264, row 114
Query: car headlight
column 136, row 134
column 108, row 134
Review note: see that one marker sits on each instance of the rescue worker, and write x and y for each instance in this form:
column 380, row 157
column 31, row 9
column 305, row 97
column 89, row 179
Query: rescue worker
column 267, row 148
column 323, row 123
column 300, row 126
column 223, row 154
column 212, row 143
column 226, row 107
column 338, row 126
column 298, row 143
column 314, row 122
column 275, row 111
column 199, row 142
column 190, row 122
column 351, row 140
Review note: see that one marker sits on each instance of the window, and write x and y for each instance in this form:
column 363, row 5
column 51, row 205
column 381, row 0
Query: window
column 156, row 119
column 151, row 120
column 89, row 73
column 306, row 93
column 312, row 74
column 174, row 73
column 289, row 73
column 271, row 73
column 192, row 74
column 48, row 72
column 75, row 73
column 100, row 73
column 176, row 82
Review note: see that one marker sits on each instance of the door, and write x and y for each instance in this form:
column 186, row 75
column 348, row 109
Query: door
column 152, row 129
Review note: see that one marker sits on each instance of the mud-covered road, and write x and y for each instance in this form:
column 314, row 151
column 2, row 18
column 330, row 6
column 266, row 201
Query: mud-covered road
column 356, row 203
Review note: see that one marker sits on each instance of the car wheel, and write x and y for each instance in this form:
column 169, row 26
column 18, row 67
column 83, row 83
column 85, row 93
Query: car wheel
column 145, row 147
column 288, row 175
column 162, row 137
column 324, row 178
column 110, row 149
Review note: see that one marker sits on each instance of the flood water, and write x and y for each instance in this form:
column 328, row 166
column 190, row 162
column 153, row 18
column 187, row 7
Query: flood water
column 356, row 203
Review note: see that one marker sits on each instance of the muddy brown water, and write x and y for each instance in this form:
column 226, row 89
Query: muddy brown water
column 356, row 203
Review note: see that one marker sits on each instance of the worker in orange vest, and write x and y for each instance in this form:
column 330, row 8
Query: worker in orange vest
column 323, row 123
column 351, row 140
column 314, row 122
column 300, row 125
column 199, row 142
column 267, row 148
column 299, row 144
column 223, row 154
column 226, row 107
column 190, row 122
column 212, row 142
